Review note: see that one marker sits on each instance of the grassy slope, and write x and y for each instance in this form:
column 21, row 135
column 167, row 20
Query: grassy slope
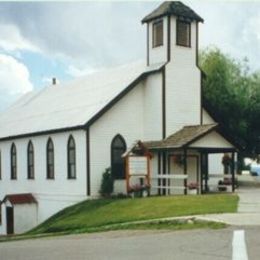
column 97, row 213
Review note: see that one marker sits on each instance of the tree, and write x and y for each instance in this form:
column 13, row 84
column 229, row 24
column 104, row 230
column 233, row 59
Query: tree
column 233, row 92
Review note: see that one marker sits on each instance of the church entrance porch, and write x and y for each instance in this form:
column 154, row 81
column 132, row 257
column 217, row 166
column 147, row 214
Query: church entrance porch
column 187, row 172
column 180, row 163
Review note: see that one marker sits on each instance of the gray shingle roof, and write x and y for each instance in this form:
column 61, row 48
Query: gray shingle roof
column 173, row 8
column 181, row 138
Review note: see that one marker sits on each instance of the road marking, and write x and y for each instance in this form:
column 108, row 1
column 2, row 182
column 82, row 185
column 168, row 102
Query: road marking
column 239, row 246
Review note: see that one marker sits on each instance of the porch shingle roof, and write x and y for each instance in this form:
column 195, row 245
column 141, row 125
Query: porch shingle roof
column 181, row 138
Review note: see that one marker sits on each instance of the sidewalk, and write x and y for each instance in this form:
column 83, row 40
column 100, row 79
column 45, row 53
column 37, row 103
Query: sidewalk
column 235, row 219
column 248, row 207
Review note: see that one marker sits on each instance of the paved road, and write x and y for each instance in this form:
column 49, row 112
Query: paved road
column 125, row 245
column 179, row 245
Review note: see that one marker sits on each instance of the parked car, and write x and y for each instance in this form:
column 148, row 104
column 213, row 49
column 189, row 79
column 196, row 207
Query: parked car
column 255, row 169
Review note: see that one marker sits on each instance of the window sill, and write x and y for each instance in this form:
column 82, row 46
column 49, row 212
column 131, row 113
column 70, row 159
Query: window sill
column 157, row 46
column 185, row 46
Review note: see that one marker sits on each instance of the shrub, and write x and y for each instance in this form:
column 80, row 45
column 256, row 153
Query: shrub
column 107, row 184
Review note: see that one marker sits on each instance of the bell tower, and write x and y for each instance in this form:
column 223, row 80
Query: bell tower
column 171, row 27
column 172, row 38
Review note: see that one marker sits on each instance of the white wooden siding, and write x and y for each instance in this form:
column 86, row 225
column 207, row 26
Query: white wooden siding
column 125, row 118
column 25, row 217
column 182, row 84
column 52, row 195
column 206, row 118
column 215, row 163
column 152, row 119
column 212, row 140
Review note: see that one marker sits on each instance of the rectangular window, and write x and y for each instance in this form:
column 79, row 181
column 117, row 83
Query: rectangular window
column 157, row 33
column 183, row 33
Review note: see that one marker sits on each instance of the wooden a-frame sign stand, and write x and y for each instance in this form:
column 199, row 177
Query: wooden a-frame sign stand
column 137, row 163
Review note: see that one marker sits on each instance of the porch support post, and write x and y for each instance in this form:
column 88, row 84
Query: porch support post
column 201, row 174
column 159, row 172
column 164, row 172
column 169, row 172
column 233, row 171
column 185, row 169
column 206, row 172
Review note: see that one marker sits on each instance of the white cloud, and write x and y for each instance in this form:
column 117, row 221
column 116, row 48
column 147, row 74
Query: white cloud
column 14, row 79
column 232, row 26
column 12, row 40
column 93, row 34
column 99, row 34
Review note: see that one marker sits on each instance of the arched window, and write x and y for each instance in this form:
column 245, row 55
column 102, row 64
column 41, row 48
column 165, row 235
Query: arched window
column 13, row 162
column 71, row 158
column 118, row 147
column 50, row 159
column 30, row 161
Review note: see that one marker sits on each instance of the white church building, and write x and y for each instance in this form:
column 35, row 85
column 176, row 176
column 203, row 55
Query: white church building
column 56, row 143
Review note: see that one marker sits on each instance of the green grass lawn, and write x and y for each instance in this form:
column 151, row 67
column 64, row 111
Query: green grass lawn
column 93, row 214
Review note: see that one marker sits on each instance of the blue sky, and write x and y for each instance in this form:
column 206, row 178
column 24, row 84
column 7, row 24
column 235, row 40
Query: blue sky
column 66, row 40
column 42, row 68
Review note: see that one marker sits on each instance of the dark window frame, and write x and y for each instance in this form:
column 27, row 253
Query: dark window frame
column 30, row 163
column 13, row 162
column 178, row 43
column 71, row 163
column 154, row 34
column 50, row 163
column 115, row 165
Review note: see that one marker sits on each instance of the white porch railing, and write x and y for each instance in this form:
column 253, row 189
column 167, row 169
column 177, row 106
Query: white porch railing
column 170, row 176
column 167, row 186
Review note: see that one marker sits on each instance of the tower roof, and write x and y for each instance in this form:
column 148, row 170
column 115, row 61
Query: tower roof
column 173, row 8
